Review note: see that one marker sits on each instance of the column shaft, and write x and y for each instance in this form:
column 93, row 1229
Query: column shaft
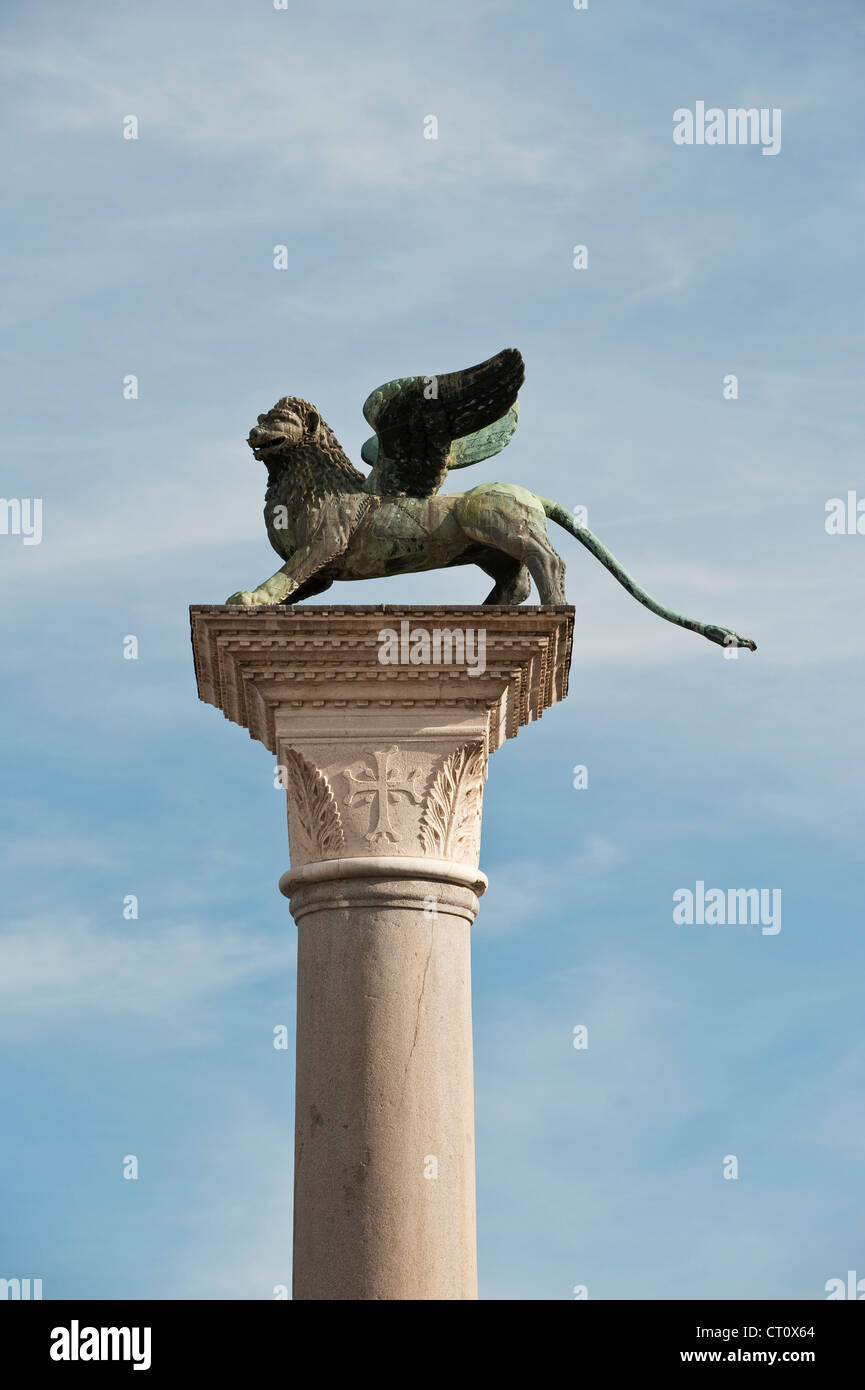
column 384, row 1203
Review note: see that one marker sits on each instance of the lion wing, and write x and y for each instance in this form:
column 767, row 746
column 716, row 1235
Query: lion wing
column 426, row 425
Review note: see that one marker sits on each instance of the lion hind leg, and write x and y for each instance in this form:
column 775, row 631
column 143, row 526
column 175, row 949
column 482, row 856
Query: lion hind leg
column 519, row 531
column 513, row 581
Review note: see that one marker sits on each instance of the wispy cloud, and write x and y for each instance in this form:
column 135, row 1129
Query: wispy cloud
column 67, row 967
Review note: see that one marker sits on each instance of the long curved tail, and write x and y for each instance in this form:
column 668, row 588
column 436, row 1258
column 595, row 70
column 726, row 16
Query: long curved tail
column 720, row 635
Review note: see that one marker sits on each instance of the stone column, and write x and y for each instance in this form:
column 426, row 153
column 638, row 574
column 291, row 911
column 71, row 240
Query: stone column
column 384, row 764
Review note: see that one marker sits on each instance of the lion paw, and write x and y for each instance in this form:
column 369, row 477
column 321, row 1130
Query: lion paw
column 243, row 596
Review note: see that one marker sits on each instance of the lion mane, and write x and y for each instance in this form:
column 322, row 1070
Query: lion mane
column 302, row 475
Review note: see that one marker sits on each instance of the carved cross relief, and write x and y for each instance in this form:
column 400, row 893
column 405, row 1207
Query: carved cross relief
column 378, row 789
column 378, row 798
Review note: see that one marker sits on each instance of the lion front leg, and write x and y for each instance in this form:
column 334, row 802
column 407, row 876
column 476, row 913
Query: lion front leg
column 276, row 589
column 294, row 575
column 336, row 522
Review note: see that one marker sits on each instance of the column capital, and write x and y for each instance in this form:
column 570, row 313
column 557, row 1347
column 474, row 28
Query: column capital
column 382, row 718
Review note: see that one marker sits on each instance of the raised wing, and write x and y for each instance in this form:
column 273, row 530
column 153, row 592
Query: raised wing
column 426, row 425
column 472, row 448
column 483, row 444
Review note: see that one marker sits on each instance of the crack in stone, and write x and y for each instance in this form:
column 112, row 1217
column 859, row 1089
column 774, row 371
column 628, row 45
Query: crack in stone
column 417, row 1020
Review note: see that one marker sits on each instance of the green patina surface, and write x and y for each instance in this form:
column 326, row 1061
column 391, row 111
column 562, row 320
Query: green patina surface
column 328, row 522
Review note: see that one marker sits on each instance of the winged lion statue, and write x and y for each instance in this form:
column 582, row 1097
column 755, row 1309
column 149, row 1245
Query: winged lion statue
column 327, row 521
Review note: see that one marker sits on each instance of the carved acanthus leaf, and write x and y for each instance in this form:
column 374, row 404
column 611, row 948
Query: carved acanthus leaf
column 450, row 823
column 314, row 805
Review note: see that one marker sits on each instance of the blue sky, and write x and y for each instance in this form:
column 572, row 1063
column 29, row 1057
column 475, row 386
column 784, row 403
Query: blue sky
column 154, row 257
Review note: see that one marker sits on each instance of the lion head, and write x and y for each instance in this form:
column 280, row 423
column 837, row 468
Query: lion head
column 302, row 454
column 290, row 422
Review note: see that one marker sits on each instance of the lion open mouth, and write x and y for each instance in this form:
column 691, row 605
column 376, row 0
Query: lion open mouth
column 272, row 431
column 263, row 439
column 260, row 440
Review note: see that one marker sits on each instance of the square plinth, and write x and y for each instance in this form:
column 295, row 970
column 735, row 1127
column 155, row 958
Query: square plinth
column 507, row 664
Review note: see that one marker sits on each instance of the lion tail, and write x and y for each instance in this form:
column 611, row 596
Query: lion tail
column 720, row 635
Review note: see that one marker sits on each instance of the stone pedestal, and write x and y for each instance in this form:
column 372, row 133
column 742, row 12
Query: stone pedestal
column 384, row 763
